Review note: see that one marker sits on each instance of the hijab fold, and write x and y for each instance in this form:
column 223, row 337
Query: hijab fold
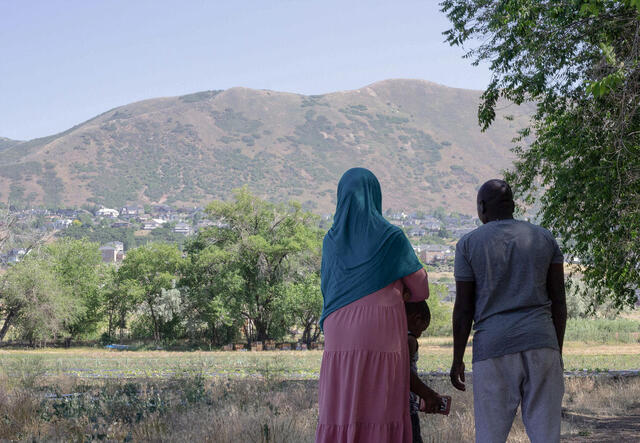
column 362, row 252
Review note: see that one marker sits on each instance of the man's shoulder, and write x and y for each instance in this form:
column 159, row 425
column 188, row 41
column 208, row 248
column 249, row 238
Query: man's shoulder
column 478, row 233
column 538, row 229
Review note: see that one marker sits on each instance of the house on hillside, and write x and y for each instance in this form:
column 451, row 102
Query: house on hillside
column 416, row 232
column 132, row 210
column 112, row 252
column 67, row 213
column 161, row 209
column 116, row 244
column 120, row 224
column 398, row 215
column 182, row 228
column 432, row 226
column 107, row 212
column 152, row 224
column 62, row 223
column 434, row 253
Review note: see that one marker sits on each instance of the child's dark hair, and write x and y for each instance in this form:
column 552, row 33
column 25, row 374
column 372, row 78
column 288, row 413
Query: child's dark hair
column 421, row 308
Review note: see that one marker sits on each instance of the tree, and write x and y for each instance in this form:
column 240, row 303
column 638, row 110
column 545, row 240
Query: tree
column 259, row 249
column 578, row 62
column 440, row 312
column 117, row 303
column 33, row 300
column 16, row 232
column 145, row 275
column 305, row 306
column 78, row 267
column 207, row 285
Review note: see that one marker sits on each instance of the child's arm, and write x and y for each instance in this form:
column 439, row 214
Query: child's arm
column 417, row 386
column 430, row 397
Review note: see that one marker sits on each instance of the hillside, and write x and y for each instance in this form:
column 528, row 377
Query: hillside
column 421, row 140
column 7, row 143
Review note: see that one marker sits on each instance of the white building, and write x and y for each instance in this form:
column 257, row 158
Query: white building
column 182, row 228
column 62, row 223
column 107, row 212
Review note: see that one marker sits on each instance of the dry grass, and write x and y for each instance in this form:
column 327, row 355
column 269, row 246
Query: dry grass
column 190, row 407
column 435, row 355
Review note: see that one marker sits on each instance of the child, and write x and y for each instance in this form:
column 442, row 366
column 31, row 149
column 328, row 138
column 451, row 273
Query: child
column 422, row 398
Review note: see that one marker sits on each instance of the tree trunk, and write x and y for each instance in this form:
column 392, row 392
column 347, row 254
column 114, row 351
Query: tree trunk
column 110, row 327
column 7, row 323
column 122, row 322
column 261, row 331
column 156, row 329
column 306, row 335
column 247, row 333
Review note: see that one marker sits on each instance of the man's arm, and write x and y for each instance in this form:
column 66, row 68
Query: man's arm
column 463, row 312
column 555, row 288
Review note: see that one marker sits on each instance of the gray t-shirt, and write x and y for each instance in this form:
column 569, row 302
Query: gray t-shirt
column 508, row 260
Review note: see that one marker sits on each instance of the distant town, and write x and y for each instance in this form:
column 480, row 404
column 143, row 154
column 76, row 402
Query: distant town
column 433, row 235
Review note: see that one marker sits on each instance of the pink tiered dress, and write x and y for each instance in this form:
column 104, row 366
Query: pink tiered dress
column 364, row 377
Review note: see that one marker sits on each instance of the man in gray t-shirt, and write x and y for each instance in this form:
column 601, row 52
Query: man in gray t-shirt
column 510, row 287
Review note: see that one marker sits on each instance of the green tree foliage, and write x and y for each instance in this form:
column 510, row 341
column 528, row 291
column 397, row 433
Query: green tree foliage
column 207, row 285
column 440, row 311
column 33, row 301
column 578, row 61
column 146, row 275
column 117, row 304
column 101, row 233
column 249, row 263
column 304, row 301
column 77, row 264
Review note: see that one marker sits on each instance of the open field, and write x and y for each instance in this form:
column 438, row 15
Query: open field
column 190, row 407
column 83, row 394
column 435, row 356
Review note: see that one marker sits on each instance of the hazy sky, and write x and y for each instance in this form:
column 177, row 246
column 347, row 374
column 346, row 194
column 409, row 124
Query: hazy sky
column 63, row 62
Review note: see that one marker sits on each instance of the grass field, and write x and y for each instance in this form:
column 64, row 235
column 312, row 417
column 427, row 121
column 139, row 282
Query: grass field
column 435, row 356
column 84, row 394
column 189, row 407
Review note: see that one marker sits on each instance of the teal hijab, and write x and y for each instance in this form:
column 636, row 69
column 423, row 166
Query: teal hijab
column 362, row 252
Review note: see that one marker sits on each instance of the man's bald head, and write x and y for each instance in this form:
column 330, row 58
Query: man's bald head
column 495, row 201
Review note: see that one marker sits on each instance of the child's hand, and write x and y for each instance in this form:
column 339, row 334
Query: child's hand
column 430, row 404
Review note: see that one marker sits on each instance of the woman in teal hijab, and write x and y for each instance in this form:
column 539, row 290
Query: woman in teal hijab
column 367, row 265
column 362, row 252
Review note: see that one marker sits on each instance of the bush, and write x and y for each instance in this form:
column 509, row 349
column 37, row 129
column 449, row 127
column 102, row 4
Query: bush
column 440, row 312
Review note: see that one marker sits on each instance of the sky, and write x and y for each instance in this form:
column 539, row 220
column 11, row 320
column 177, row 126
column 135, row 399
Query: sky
column 63, row 62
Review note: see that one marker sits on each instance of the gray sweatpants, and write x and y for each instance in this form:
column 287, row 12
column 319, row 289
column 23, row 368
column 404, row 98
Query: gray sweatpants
column 533, row 378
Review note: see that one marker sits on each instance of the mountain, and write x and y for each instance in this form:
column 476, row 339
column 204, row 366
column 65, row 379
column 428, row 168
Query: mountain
column 421, row 139
column 7, row 143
